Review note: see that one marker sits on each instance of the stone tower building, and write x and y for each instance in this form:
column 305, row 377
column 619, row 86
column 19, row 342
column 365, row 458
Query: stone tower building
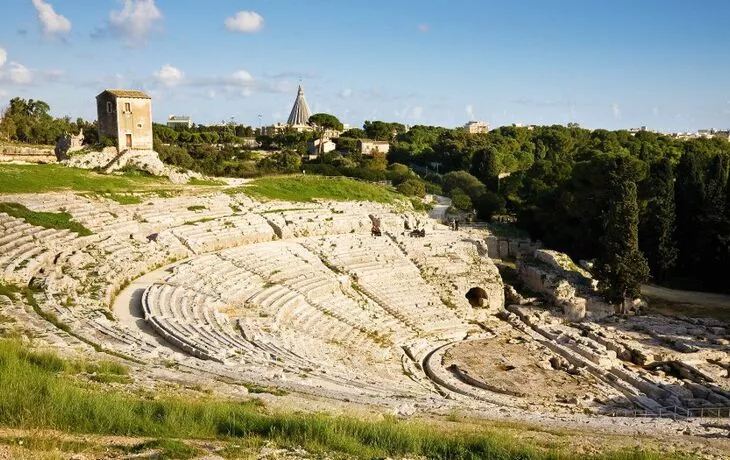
column 125, row 116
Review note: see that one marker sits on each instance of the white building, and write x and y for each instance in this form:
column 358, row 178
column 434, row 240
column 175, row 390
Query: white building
column 173, row 121
column 371, row 147
column 476, row 127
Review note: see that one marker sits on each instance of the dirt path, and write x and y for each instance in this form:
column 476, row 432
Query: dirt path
column 692, row 297
column 690, row 303
column 439, row 209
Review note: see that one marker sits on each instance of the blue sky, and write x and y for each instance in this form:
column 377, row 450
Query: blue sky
column 617, row 64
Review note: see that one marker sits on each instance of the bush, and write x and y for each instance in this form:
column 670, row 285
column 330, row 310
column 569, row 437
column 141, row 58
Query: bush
column 461, row 200
column 464, row 181
column 489, row 204
column 412, row 187
column 434, row 188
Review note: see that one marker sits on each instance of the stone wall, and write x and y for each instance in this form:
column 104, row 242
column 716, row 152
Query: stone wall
column 508, row 248
column 13, row 153
column 554, row 274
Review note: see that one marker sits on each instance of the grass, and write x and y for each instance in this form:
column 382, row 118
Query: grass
column 310, row 187
column 48, row 178
column 196, row 207
column 123, row 198
column 507, row 230
column 57, row 220
column 206, row 182
column 38, row 393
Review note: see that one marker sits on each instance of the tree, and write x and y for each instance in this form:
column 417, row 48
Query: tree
column 656, row 235
column 460, row 200
column 412, row 187
column 621, row 267
column 323, row 122
column 382, row 131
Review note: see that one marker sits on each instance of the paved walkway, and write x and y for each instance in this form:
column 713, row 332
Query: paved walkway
column 439, row 209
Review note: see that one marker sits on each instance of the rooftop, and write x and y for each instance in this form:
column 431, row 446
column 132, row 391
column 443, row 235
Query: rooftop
column 133, row 93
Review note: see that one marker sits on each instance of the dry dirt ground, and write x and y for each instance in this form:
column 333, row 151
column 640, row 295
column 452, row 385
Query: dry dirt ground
column 688, row 303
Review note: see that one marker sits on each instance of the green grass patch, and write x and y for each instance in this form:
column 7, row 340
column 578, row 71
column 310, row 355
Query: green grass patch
column 57, row 220
column 48, row 178
column 123, row 198
column 206, row 182
column 507, row 230
column 9, row 290
column 310, row 187
column 196, row 207
column 37, row 394
column 167, row 449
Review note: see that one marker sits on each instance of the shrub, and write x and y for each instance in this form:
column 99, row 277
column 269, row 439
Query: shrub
column 461, row 200
column 489, row 204
column 412, row 187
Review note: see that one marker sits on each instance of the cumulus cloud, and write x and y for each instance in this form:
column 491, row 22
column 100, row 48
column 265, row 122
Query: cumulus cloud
column 424, row 28
column 133, row 22
column 246, row 22
column 616, row 110
column 242, row 77
column 3, row 56
column 169, row 75
column 345, row 93
column 19, row 74
column 51, row 22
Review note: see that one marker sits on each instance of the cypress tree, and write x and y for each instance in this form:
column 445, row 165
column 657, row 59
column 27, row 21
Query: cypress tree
column 689, row 192
column 713, row 231
column 656, row 236
column 621, row 268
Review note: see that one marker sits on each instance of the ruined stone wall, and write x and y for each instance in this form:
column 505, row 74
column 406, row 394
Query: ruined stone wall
column 510, row 248
column 10, row 153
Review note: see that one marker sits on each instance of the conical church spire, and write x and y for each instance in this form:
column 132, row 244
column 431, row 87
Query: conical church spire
column 300, row 112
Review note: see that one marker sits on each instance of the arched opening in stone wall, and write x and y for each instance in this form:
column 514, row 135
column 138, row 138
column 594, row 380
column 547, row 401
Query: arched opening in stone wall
column 476, row 297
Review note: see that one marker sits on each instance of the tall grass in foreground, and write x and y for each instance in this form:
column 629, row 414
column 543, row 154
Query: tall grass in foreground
column 309, row 187
column 36, row 392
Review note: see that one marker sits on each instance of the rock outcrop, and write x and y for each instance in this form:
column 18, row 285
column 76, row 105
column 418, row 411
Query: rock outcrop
column 567, row 285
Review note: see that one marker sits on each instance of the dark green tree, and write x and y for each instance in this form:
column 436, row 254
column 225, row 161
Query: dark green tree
column 621, row 267
column 322, row 123
column 658, row 223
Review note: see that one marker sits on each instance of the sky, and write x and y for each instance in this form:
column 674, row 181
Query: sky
column 612, row 65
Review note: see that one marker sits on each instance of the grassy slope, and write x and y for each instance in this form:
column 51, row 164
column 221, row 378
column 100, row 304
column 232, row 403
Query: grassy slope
column 40, row 391
column 307, row 188
column 47, row 178
column 57, row 220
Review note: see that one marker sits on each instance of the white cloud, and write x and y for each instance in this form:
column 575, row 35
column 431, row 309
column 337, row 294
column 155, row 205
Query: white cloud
column 424, row 28
column 169, row 75
column 616, row 110
column 242, row 77
column 20, row 74
column 470, row 112
column 52, row 22
column 3, row 56
column 135, row 20
column 246, row 22
column 345, row 93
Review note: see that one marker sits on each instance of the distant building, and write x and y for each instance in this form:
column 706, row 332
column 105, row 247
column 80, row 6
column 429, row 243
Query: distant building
column 125, row 116
column 300, row 113
column 327, row 146
column 476, row 127
column 371, row 147
column 179, row 120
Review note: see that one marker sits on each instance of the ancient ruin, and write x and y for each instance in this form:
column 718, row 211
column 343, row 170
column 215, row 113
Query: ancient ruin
column 337, row 299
